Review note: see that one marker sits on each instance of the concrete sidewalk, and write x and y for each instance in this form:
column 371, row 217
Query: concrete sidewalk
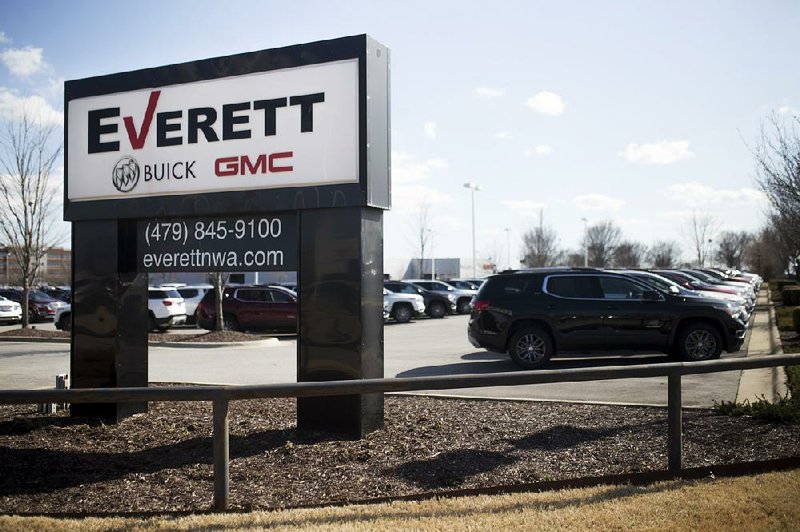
column 766, row 383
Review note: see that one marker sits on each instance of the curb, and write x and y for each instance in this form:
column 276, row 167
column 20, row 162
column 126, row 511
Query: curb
column 266, row 342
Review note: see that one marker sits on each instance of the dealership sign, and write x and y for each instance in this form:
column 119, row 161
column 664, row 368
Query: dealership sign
column 271, row 124
column 293, row 127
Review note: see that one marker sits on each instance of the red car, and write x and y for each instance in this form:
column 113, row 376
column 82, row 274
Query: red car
column 247, row 308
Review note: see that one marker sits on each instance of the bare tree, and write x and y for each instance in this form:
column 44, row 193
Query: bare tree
column 422, row 235
column 766, row 254
column 629, row 255
column 778, row 175
column 700, row 230
column 27, row 157
column 601, row 240
column 540, row 246
column 664, row 254
column 219, row 280
column 731, row 247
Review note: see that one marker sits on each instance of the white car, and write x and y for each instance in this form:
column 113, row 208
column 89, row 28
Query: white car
column 403, row 307
column 192, row 295
column 10, row 311
column 63, row 318
column 166, row 307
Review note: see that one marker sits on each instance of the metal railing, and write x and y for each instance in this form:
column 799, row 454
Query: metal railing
column 220, row 396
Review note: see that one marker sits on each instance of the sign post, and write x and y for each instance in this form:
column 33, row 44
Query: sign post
column 270, row 160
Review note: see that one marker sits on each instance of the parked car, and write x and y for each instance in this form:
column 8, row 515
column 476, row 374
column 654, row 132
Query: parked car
column 192, row 295
column 535, row 314
column 63, row 318
column 403, row 307
column 166, row 308
column 693, row 283
column 10, row 311
column 463, row 297
column 662, row 283
column 61, row 294
column 250, row 307
column 436, row 304
column 464, row 283
column 41, row 307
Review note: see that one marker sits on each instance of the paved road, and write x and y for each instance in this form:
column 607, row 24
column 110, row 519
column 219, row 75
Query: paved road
column 422, row 347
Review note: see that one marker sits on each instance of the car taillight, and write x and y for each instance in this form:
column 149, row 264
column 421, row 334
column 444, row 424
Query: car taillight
column 480, row 305
column 167, row 303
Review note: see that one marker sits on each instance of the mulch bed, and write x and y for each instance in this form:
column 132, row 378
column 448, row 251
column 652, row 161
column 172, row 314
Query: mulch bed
column 162, row 460
column 211, row 336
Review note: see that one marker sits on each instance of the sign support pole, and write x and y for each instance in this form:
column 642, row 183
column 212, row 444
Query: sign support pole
column 110, row 320
column 341, row 316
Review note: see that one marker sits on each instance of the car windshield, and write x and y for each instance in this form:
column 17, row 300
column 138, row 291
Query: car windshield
column 36, row 295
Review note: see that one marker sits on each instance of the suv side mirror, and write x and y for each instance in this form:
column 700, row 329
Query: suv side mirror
column 651, row 295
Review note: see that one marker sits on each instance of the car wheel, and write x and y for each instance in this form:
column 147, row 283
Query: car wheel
column 229, row 323
column 65, row 322
column 152, row 326
column 402, row 313
column 437, row 310
column 463, row 306
column 530, row 347
column 699, row 341
column 31, row 317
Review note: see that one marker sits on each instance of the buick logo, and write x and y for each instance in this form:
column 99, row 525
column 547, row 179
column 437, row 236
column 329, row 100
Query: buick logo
column 126, row 174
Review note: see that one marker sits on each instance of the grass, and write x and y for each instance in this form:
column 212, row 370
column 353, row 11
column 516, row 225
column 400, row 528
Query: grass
column 769, row 501
column 783, row 318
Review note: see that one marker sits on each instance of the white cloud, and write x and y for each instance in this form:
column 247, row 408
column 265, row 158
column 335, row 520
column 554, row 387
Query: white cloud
column 490, row 92
column 525, row 207
column 430, row 130
column 504, row 135
column 546, row 103
column 23, row 62
column 3, row 37
column 664, row 152
column 598, row 202
column 696, row 195
column 406, row 168
column 786, row 110
column 540, row 150
column 12, row 106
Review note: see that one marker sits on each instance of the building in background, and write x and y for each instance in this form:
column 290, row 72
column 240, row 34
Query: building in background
column 55, row 270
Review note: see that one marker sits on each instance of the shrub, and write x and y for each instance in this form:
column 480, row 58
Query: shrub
column 790, row 295
column 796, row 319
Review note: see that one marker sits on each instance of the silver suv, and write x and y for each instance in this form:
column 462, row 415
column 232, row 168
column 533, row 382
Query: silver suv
column 403, row 307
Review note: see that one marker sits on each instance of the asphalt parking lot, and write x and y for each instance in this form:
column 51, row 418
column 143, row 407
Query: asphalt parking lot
column 421, row 347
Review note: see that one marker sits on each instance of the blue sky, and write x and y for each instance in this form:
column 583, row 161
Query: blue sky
column 637, row 112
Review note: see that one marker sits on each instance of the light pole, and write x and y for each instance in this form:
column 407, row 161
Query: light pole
column 508, row 246
column 585, row 243
column 474, row 188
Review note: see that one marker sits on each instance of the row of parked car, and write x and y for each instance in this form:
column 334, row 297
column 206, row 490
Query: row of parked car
column 536, row 314
column 41, row 305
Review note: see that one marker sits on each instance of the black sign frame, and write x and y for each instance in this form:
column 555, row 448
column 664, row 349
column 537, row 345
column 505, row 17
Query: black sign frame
column 372, row 190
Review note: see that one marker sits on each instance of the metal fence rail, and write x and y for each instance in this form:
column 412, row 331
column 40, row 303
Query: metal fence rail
column 220, row 396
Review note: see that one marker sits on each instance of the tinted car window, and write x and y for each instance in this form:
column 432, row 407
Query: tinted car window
column 253, row 295
column 280, row 297
column 187, row 292
column 620, row 288
column 162, row 294
column 505, row 286
column 574, row 286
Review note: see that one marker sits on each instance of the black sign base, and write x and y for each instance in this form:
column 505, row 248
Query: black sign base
column 341, row 316
column 110, row 319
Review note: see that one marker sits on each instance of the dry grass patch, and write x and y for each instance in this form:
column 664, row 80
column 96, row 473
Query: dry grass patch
column 763, row 502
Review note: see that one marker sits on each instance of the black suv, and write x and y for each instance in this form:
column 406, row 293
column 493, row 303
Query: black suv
column 534, row 314
column 436, row 304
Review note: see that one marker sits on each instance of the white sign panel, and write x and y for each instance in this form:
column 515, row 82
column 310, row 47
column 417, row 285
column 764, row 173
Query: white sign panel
column 294, row 127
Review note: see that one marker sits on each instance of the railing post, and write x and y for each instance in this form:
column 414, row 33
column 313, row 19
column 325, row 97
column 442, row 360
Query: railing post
column 675, row 420
column 221, row 455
